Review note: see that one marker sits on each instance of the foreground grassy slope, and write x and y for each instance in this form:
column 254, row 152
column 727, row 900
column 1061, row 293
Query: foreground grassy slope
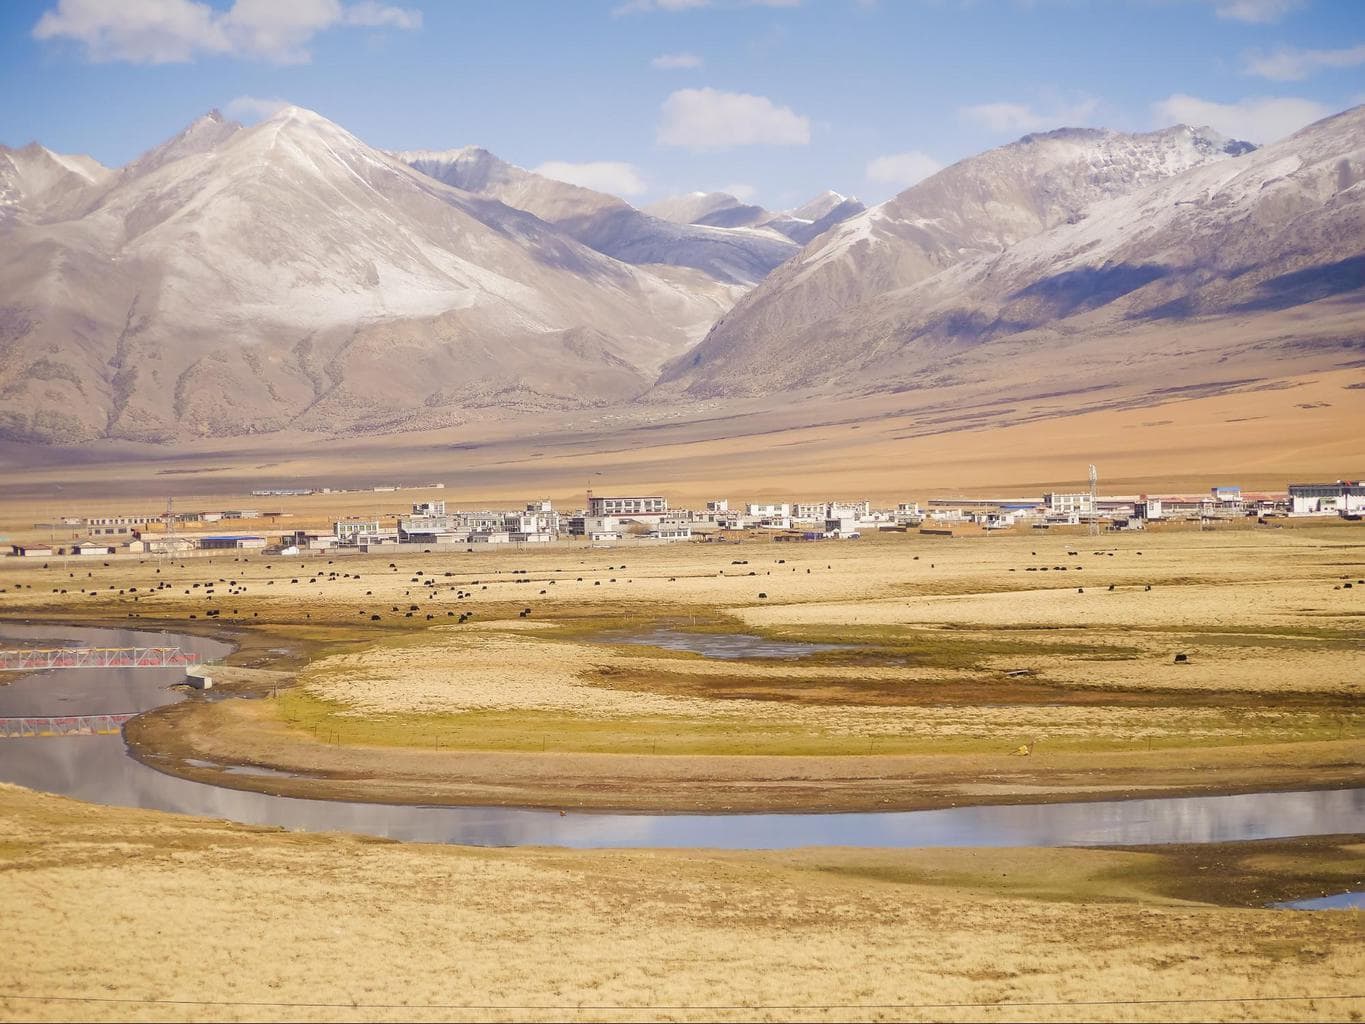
column 203, row 920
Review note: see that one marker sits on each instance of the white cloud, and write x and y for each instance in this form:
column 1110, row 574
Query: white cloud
column 1258, row 119
column 618, row 178
column 711, row 119
column 253, row 108
column 369, row 14
column 676, row 61
column 178, row 31
column 1012, row 118
column 1255, row 12
column 902, row 169
column 740, row 191
column 1289, row 65
column 644, row 6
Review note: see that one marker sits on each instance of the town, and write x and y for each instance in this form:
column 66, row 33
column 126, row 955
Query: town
column 648, row 519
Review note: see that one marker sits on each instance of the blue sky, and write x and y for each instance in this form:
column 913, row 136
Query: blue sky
column 778, row 99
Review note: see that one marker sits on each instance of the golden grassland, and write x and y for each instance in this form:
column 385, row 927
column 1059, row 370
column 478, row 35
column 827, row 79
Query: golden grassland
column 160, row 917
column 954, row 653
column 1263, row 433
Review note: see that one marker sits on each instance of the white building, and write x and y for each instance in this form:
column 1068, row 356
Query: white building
column 353, row 532
column 671, row 531
column 1069, row 504
column 1148, row 508
column 627, row 507
column 1345, row 497
column 762, row 510
column 841, row 526
column 595, row 527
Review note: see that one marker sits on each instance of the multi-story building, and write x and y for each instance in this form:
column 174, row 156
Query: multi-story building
column 627, row 507
column 352, row 532
column 1069, row 504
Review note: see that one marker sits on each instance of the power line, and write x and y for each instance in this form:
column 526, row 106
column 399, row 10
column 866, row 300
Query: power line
column 1196, row 1000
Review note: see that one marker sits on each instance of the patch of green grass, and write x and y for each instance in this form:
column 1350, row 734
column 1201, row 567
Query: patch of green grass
column 497, row 730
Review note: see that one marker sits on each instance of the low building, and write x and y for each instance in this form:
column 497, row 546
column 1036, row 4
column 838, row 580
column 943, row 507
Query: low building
column 1148, row 508
column 842, row 526
column 91, row 547
column 595, row 527
column 1344, row 497
column 671, row 531
column 231, row 542
column 31, row 550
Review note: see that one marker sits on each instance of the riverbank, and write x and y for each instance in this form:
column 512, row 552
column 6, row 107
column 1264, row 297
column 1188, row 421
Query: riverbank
column 204, row 920
column 207, row 742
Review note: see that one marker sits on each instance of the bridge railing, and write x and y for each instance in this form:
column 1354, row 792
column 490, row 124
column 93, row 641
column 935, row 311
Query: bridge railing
column 36, row 659
column 68, row 725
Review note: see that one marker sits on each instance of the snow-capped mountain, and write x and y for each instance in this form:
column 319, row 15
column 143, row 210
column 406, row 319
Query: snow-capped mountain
column 720, row 209
column 738, row 256
column 36, row 183
column 975, row 210
column 240, row 280
column 698, row 207
column 245, row 280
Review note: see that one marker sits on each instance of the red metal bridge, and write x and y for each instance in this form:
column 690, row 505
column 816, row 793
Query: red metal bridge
column 71, row 725
column 35, row 659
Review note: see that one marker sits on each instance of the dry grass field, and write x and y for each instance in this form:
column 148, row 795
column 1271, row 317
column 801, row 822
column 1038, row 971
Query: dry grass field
column 951, row 654
column 1262, row 432
column 139, row 915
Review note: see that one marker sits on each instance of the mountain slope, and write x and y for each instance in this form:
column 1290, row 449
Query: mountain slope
column 780, row 334
column 37, row 184
column 244, row 280
column 607, row 224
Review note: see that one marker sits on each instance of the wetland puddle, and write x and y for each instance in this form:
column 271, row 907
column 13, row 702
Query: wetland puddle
column 728, row 646
column 1337, row 901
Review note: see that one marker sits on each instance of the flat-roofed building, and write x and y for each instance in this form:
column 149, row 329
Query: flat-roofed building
column 1344, row 497
column 231, row 542
column 1078, row 503
column 31, row 550
column 627, row 507
column 353, row 532
column 671, row 531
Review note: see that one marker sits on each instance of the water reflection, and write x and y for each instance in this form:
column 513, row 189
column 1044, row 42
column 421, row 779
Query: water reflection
column 1337, row 901
column 726, row 645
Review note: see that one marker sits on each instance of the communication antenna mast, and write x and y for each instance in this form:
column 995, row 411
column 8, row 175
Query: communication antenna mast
column 1094, row 502
column 168, row 540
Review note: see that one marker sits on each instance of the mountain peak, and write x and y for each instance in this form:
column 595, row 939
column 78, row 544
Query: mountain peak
column 820, row 206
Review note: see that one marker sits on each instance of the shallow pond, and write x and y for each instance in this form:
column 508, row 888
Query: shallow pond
column 727, row 645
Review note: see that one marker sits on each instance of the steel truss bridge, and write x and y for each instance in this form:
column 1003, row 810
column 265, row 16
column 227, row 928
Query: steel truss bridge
column 70, row 725
column 37, row 659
